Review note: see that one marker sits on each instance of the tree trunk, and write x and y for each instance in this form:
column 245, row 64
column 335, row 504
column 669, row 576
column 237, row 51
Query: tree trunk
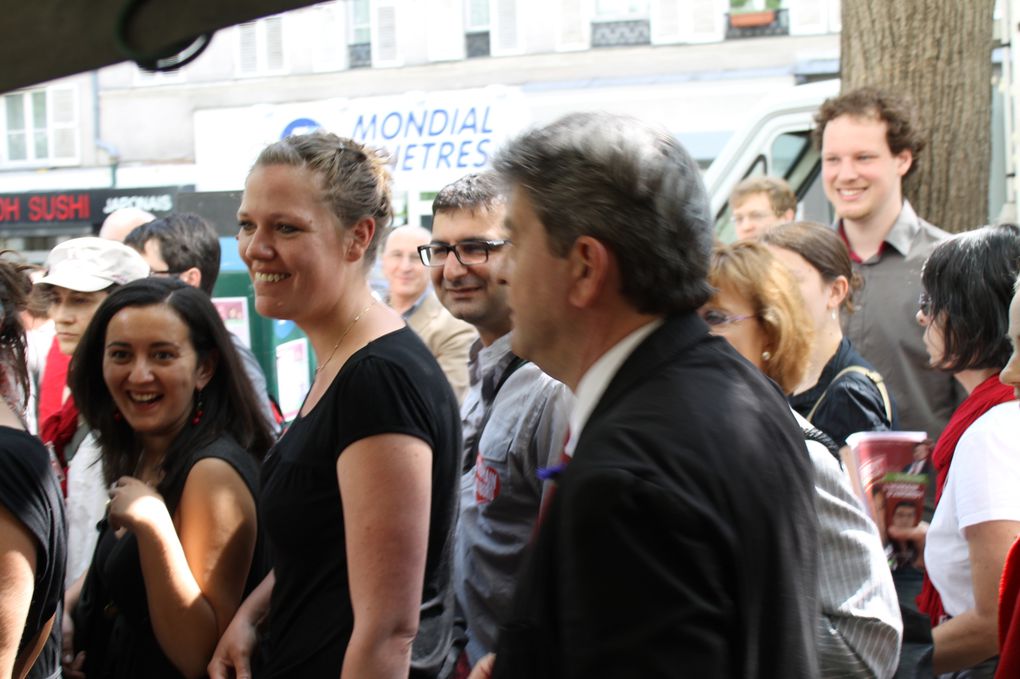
column 939, row 53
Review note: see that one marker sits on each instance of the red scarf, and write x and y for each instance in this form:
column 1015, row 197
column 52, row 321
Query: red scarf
column 57, row 431
column 986, row 396
column 1009, row 616
column 54, row 378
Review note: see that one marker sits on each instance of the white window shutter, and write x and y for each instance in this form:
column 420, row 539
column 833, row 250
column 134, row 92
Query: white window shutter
column 63, row 110
column 384, row 41
column 574, row 28
column 62, row 105
column 444, row 29
column 506, row 29
column 248, row 54
column 703, row 20
column 330, row 27
column 65, row 144
column 808, row 17
column 273, row 32
column 667, row 22
column 835, row 16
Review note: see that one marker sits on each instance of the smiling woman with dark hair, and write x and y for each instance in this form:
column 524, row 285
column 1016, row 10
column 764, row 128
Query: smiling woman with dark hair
column 157, row 377
column 968, row 285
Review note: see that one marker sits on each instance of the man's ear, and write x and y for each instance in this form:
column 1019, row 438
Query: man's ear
column 192, row 277
column 589, row 264
column 904, row 160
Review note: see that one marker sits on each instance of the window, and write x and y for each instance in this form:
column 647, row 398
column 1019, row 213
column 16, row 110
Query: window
column 621, row 22
column 359, row 44
column 477, row 15
column 41, row 126
column 477, row 25
column 361, row 22
column 261, row 46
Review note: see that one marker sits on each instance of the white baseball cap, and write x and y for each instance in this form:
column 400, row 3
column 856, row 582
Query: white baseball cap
column 91, row 264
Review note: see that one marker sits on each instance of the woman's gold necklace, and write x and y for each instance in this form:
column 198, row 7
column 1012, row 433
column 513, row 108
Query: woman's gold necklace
column 343, row 337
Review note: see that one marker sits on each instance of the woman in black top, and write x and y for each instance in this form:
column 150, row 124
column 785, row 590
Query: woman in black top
column 359, row 496
column 157, row 376
column 840, row 393
column 32, row 532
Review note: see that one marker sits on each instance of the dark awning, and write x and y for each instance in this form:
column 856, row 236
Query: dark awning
column 47, row 39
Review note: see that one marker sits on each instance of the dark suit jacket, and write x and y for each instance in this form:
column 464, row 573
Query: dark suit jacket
column 681, row 539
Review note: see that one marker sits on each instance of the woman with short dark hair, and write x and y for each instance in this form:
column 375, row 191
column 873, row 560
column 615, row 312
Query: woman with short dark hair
column 968, row 285
column 157, row 377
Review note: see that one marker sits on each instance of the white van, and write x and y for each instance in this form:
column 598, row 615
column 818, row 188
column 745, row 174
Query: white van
column 776, row 141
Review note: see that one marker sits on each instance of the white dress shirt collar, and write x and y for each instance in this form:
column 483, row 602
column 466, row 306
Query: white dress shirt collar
column 595, row 381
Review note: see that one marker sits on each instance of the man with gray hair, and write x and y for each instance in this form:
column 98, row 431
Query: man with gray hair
column 681, row 537
column 514, row 417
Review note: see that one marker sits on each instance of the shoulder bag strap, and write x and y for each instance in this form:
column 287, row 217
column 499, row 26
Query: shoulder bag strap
column 871, row 375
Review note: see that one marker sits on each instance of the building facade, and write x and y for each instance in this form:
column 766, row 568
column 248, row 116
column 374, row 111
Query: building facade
column 439, row 83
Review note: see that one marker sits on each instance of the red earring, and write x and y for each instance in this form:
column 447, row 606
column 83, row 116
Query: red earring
column 198, row 410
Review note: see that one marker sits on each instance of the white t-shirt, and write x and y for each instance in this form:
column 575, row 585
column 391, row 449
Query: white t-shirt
column 983, row 485
column 85, row 505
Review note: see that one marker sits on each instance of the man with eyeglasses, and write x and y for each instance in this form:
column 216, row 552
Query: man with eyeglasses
column 514, row 417
column 759, row 203
column 185, row 246
column 409, row 295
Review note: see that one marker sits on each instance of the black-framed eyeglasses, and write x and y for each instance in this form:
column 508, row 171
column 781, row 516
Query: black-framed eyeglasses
column 168, row 272
column 467, row 252
column 716, row 318
column 924, row 303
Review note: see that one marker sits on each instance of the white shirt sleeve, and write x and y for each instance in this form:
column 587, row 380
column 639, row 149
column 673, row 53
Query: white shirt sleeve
column 986, row 468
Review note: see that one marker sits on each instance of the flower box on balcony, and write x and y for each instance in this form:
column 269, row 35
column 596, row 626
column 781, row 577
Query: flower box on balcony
column 752, row 19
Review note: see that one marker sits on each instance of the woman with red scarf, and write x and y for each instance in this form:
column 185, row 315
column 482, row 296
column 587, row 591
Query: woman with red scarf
column 968, row 284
